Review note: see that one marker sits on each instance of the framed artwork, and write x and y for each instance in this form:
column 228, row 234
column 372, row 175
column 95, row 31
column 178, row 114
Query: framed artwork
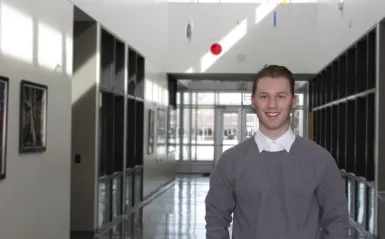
column 151, row 122
column 33, row 117
column 3, row 124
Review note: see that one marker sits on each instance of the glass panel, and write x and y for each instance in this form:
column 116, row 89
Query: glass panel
column 186, row 126
column 178, row 98
column 178, row 133
column 193, row 152
column 186, row 152
column 252, row 124
column 138, row 223
column 161, row 141
column 178, row 126
column 226, row 147
column 370, row 214
column 230, row 98
column 129, row 185
column 300, row 99
column 138, row 186
column 297, row 122
column 193, row 98
column 172, row 125
column 204, row 132
column 361, row 203
column 246, row 99
column 128, row 226
column 116, row 231
column 230, row 129
column 351, row 196
column 172, row 136
column 104, row 203
column 206, row 98
column 116, row 196
column 194, row 130
column 186, row 98
column 205, row 152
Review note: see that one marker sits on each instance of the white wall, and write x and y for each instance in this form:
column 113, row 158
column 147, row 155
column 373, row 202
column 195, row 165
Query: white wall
column 35, row 195
column 291, row 42
column 339, row 30
column 140, row 23
column 156, row 172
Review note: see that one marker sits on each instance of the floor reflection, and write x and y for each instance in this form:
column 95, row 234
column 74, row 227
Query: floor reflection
column 176, row 214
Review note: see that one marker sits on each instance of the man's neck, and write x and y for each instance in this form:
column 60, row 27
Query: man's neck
column 274, row 134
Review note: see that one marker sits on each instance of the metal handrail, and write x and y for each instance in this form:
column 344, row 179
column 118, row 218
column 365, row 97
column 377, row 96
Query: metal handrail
column 111, row 177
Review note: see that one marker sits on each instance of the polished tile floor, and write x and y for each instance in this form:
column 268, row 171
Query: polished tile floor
column 178, row 213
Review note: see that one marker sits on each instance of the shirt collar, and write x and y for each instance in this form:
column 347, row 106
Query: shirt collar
column 286, row 140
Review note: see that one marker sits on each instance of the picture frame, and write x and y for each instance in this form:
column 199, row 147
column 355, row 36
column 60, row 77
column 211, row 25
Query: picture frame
column 33, row 117
column 150, row 142
column 4, row 96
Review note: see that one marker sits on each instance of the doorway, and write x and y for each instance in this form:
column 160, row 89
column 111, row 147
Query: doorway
column 233, row 125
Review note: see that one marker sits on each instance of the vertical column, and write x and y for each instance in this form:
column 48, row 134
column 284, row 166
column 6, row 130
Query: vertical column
column 380, row 131
column 84, row 166
column 126, row 183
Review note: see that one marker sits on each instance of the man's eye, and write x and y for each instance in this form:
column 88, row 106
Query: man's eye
column 263, row 96
column 282, row 97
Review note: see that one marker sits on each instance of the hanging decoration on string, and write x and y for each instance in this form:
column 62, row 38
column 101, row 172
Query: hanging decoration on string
column 275, row 19
column 216, row 49
column 189, row 29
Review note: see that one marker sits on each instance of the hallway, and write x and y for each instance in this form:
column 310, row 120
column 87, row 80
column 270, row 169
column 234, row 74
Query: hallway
column 179, row 212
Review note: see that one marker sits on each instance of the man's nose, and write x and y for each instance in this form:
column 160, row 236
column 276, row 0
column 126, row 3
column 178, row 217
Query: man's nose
column 272, row 103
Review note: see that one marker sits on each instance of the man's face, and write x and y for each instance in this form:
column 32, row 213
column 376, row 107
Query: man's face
column 273, row 103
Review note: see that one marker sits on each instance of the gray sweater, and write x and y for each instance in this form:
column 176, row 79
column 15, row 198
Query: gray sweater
column 277, row 195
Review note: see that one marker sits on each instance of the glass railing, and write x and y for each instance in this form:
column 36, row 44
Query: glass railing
column 361, row 197
column 110, row 198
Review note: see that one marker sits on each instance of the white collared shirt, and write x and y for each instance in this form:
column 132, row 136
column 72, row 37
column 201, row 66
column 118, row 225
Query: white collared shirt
column 282, row 143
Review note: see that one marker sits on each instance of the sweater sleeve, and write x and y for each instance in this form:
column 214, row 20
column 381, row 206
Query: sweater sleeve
column 334, row 215
column 220, row 200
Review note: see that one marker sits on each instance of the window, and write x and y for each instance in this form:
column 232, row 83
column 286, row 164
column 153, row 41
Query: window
column 297, row 122
column 300, row 99
column 205, row 99
column 230, row 98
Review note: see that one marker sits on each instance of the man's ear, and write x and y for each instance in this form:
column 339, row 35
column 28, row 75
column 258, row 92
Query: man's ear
column 252, row 101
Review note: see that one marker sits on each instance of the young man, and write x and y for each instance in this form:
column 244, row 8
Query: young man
column 277, row 185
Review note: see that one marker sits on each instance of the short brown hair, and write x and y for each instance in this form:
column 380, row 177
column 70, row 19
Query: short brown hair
column 274, row 71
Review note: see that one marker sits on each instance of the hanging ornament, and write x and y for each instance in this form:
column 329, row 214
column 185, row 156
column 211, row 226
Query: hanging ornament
column 216, row 49
column 275, row 18
column 189, row 29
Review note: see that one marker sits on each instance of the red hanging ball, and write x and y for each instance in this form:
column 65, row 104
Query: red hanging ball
column 216, row 49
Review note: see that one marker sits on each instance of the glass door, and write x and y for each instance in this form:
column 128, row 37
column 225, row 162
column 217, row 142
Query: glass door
column 227, row 129
column 232, row 126
column 231, row 134
column 250, row 123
